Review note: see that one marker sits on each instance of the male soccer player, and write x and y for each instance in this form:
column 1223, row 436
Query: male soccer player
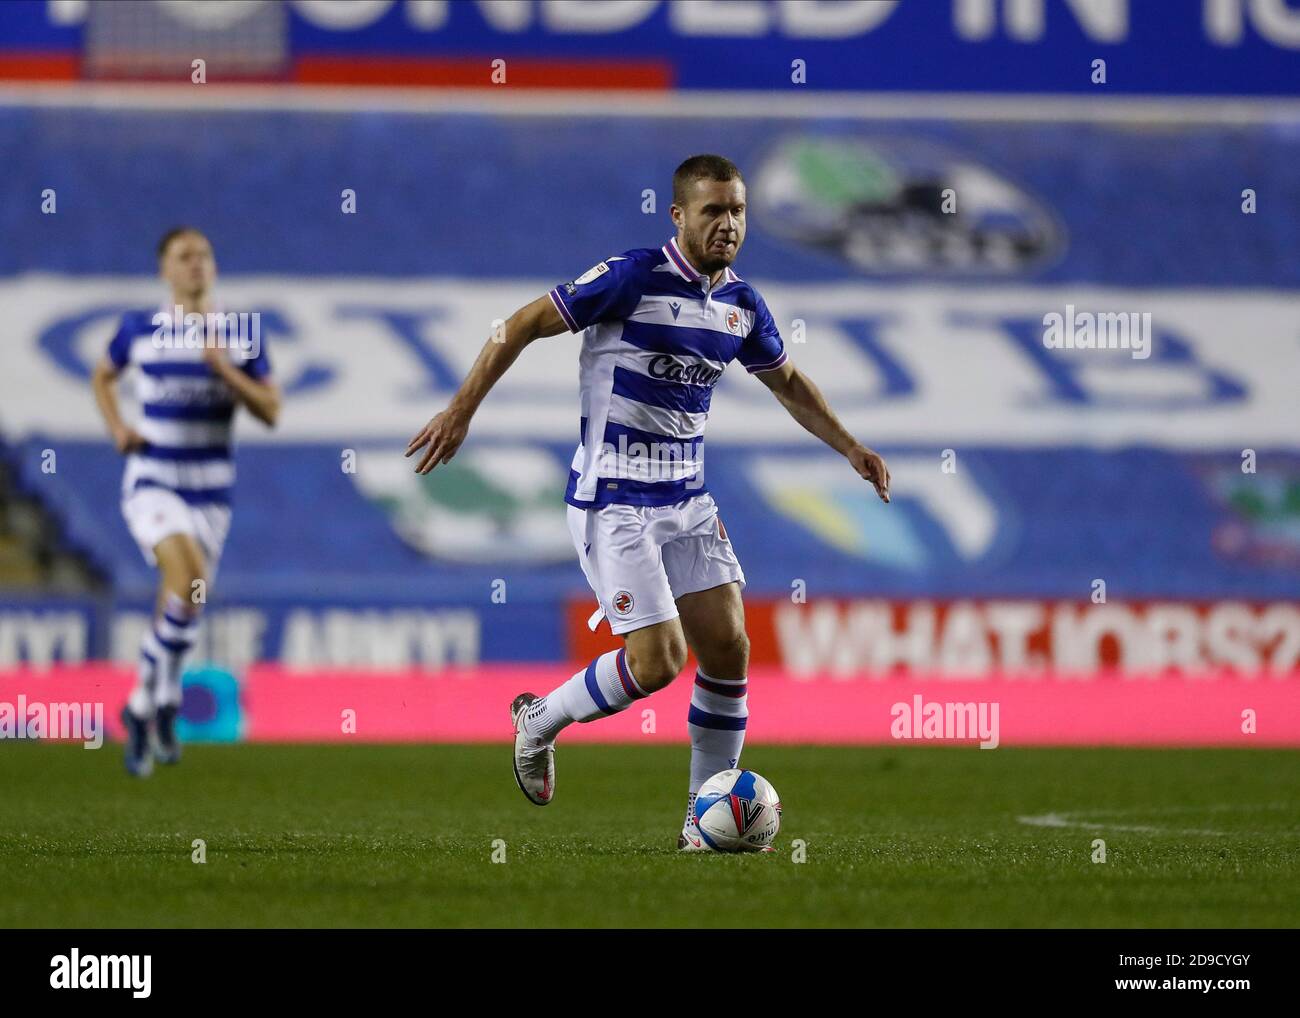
column 660, row 325
column 179, row 472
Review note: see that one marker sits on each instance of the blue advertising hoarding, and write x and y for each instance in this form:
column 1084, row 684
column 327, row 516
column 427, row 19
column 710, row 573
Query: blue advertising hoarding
column 1177, row 47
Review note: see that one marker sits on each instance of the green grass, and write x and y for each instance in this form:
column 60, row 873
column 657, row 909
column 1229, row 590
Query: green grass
column 402, row 836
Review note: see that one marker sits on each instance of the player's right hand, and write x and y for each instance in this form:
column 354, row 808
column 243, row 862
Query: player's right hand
column 128, row 440
column 443, row 435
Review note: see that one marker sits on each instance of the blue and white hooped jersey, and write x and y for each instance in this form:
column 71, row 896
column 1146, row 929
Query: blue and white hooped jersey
column 656, row 341
column 186, row 412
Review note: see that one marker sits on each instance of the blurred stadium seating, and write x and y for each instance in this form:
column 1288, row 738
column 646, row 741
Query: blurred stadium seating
column 1023, row 475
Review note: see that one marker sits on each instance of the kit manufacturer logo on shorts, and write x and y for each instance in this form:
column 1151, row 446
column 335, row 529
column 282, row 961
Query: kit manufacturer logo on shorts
column 622, row 602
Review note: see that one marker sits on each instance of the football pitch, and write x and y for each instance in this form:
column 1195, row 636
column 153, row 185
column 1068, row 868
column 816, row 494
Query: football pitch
column 383, row 836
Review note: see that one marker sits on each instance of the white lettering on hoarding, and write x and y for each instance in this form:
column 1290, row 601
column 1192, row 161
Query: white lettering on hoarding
column 872, row 639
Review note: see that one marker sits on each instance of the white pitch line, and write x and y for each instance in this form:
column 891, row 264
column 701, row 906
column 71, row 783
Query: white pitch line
column 1060, row 820
column 764, row 105
column 1067, row 819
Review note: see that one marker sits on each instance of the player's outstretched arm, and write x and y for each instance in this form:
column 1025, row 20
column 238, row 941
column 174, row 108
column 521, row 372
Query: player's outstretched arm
column 445, row 432
column 104, row 384
column 805, row 403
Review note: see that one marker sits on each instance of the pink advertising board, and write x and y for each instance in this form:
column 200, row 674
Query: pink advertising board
column 279, row 705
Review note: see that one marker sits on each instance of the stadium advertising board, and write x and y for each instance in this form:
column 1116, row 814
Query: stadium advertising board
column 1033, row 46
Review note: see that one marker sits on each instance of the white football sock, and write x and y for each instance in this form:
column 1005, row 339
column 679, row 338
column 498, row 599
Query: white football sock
column 604, row 687
column 174, row 632
column 141, row 701
column 717, row 718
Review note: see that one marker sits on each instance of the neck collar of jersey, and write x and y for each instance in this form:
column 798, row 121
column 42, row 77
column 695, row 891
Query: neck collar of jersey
column 682, row 266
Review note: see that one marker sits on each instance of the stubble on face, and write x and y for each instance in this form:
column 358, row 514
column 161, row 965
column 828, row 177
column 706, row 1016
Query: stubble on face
column 713, row 227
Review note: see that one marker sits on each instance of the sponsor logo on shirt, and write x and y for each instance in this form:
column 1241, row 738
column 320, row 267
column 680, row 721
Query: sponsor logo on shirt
column 670, row 369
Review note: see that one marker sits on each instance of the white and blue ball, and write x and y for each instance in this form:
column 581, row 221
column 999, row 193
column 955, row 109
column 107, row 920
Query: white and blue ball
column 738, row 811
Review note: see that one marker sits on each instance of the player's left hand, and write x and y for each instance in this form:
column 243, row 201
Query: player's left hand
column 443, row 435
column 870, row 466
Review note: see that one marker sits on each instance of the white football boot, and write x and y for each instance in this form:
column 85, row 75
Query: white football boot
column 534, row 759
column 689, row 840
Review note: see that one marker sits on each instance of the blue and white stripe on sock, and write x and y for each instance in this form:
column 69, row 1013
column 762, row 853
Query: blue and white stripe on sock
column 141, row 702
column 174, row 631
column 604, row 687
column 716, row 721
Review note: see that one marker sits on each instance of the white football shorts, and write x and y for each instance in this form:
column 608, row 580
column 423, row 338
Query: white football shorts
column 640, row 559
column 154, row 513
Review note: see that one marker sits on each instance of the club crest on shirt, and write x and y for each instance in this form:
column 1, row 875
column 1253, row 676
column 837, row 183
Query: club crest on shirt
column 733, row 321
column 622, row 602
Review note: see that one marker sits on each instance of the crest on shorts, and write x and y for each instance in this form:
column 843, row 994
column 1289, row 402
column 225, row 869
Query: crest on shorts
column 622, row 602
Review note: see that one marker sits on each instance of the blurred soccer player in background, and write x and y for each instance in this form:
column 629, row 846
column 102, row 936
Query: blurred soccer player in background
column 661, row 325
column 179, row 467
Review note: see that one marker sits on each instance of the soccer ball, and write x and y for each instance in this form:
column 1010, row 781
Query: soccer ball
column 738, row 811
